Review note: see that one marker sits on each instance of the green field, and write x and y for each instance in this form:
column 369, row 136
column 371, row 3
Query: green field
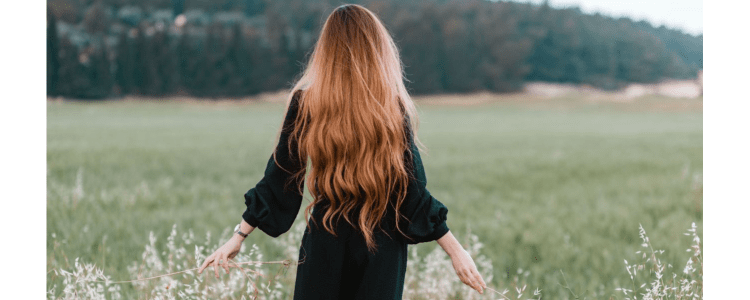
column 562, row 185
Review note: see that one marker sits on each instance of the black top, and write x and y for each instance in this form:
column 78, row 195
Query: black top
column 340, row 266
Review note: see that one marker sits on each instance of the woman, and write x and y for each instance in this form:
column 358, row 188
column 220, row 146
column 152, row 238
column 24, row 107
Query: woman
column 350, row 116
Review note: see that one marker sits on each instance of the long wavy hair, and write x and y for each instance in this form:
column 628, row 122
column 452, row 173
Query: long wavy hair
column 352, row 122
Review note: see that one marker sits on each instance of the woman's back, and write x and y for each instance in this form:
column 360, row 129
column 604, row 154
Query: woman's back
column 341, row 266
column 351, row 119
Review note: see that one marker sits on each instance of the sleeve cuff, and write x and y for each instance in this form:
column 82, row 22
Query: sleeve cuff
column 250, row 219
column 439, row 232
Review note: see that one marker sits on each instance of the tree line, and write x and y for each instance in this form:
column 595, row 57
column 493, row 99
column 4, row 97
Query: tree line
column 222, row 48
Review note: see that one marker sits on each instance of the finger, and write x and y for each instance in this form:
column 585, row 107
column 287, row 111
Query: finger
column 462, row 273
column 205, row 264
column 216, row 266
column 466, row 280
column 480, row 287
column 467, row 277
column 471, row 284
column 226, row 263
column 481, row 280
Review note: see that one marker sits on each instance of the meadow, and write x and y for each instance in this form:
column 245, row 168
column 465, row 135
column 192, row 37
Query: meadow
column 547, row 186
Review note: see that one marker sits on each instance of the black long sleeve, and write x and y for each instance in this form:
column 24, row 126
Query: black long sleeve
column 427, row 215
column 272, row 205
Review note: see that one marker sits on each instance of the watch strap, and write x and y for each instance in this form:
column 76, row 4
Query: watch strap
column 238, row 231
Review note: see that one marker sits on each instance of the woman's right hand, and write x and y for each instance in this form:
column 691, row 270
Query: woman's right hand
column 462, row 262
column 467, row 271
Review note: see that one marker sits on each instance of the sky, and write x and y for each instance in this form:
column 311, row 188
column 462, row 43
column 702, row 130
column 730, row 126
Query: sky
column 686, row 15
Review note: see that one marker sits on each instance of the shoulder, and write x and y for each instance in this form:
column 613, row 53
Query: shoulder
column 296, row 96
column 294, row 103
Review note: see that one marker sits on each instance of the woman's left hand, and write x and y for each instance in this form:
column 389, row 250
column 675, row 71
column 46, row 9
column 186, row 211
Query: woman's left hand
column 226, row 252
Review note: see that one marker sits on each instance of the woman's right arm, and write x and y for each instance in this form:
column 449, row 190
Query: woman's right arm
column 462, row 262
column 428, row 223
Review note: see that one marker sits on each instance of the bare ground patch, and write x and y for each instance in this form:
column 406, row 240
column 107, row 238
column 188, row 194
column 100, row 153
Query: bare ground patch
column 536, row 95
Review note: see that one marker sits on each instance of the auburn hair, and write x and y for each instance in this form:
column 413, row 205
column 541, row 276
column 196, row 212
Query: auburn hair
column 354, row 121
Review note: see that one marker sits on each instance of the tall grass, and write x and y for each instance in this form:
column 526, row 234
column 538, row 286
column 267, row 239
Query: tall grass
column 544, row 189
column 428, row 277
column 658, row 279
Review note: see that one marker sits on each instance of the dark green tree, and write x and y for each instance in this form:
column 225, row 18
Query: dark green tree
column 53, row 59
column 100, row 74
column 125, row 73
column 445, row 45
column 254, row 7
column 178, row 6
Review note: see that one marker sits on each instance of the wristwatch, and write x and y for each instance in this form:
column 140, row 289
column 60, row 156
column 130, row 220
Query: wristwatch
column 237, row 231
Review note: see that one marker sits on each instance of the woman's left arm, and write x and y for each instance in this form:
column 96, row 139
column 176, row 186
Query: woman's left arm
column 273, row 204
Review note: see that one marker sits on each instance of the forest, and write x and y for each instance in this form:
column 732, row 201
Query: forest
column 222, row 48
